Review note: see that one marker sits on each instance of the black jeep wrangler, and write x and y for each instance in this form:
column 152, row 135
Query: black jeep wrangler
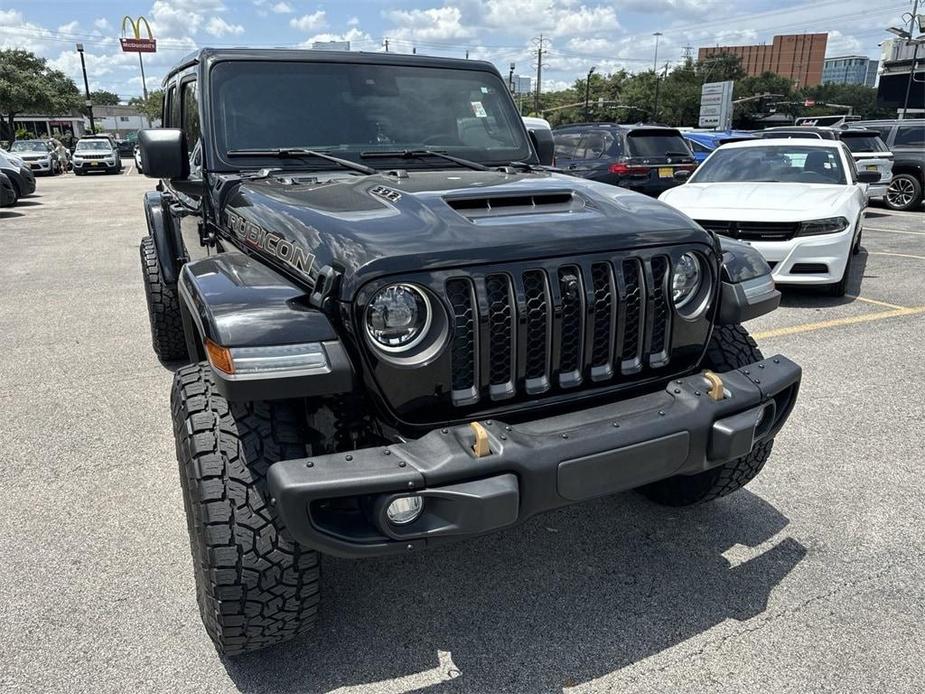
column 402, row 330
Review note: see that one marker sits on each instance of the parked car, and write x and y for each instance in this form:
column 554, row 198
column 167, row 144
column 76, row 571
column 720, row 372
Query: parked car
column 19, row 173
column 40, row 155
column 8, row 196
column 869, row 151
column 703, row 142
column 541, row 132
column 399, row 330
column 126, row 145
column 96, row 153
column 639, row 157
column 800, row 203
column 906, row 140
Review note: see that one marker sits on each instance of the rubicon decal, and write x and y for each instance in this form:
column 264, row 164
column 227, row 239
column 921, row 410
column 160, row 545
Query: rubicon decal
column 274, row 244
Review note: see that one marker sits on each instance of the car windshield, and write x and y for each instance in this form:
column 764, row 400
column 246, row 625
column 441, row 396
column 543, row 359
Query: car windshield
column 350, row 109
column 95, row 145
column 863, row 142
column 788, row 163
column 656, row 143
column 29, row 146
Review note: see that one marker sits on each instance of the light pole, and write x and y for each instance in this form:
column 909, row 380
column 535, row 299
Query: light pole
column 655, row 60
column 588, row 94
column 83, row 67
column 510, row 78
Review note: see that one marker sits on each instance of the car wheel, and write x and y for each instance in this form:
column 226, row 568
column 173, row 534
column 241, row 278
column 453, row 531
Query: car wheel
column 840, row 288
column 904, row 193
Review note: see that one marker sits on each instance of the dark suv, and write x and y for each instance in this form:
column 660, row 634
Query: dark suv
column 906, row 139
column 644, row 158
column 401, row 331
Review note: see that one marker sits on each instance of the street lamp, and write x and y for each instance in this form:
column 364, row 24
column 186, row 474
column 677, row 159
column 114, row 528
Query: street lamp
column 89, row 103
column 588, row 93
column 655, row 61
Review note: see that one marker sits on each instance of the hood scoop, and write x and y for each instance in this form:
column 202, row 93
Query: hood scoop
column 509, row 205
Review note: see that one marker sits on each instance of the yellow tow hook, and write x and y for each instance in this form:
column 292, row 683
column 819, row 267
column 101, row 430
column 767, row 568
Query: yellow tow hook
column 480, row 447
column 716, row 391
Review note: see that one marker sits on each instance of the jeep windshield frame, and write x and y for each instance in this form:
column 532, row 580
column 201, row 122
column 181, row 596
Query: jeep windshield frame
column 350, row 107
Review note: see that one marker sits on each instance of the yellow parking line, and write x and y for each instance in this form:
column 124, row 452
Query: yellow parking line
column 838, row 322
column 895, row 231
column 876, row 302
column 898, row 255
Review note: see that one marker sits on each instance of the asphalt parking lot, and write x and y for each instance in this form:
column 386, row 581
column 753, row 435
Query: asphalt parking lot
column 811, row 579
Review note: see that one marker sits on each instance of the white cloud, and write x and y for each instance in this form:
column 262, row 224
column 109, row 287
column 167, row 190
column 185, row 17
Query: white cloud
column 219, row 27
column 172, row 19
column 432, row 24
column 353, row 21
column 282, row 8
column 69, row 28
column 309, row 22
column 843, row 44
column 102, row 24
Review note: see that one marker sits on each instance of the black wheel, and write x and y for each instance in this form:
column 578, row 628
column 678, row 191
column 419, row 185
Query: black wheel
column 904, row 193
column 255, row 586
column 730, row 348
column 840, row 288
column 167, row 336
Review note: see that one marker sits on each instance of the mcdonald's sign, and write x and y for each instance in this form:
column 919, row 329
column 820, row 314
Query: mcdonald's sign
column 134, row 43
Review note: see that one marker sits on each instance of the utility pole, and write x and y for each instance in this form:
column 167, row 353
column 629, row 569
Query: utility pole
column 386, row 45
column 467, row 54
column 688, row 54
column 588, row 94
column 915, row 58
column 657, row 82
column 83, row 66
column 510, row 79
column 540, row 44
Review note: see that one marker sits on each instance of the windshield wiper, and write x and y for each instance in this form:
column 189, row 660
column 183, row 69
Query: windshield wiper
column 421, row 153
column 299, row 153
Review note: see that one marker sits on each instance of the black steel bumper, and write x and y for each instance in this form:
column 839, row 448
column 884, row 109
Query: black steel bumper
column 336, row 503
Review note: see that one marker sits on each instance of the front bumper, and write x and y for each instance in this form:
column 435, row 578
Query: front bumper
column 40, row 166
column 791, row 258
column 336, row 503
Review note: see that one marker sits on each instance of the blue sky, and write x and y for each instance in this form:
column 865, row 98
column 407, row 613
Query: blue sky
column 581, row 33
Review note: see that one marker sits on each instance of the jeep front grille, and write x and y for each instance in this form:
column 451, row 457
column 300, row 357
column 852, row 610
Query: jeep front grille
column 558, row 326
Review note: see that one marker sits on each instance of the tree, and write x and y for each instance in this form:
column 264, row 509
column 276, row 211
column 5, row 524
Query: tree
column 101, row 97
column 28, row 84
column 151, row 107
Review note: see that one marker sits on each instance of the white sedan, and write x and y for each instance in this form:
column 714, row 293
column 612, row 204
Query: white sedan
column 800, row 203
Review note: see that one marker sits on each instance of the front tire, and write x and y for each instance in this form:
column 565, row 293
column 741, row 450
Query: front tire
column 254, row 584
column 904, row 193
column 730, row 348
column 167, row 337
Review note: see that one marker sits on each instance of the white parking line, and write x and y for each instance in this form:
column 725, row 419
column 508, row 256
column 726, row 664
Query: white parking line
column 895, row 231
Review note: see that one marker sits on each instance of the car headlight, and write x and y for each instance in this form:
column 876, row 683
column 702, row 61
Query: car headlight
column 686, row 279
column 829, row 225
column 398, row 317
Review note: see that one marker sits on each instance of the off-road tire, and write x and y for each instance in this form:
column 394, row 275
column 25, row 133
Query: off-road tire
column 730, row 348
column 255, row 586
column 167, row 336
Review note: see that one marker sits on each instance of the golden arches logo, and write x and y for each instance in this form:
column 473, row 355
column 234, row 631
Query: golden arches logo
column 136, row 26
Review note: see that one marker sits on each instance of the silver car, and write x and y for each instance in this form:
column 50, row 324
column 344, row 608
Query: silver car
column 96, row 154
column 40, row 155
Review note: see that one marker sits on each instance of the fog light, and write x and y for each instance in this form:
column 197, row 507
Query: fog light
column 404, row 509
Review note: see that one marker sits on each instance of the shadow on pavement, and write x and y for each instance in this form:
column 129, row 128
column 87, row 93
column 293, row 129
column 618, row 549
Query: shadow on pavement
column 794, row 296
column 9, row 214
column 565, row 598
column 28, row 202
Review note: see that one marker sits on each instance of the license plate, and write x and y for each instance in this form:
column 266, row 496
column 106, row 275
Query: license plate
column 665, row 172
column 872, row 167
column 94, row 163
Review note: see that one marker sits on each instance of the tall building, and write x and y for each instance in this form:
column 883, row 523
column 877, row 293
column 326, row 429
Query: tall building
column 522, row 85
column 850, row 69
column 798, row 57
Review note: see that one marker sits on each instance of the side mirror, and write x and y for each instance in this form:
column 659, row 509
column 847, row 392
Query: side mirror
column 164, row 153
column 544, row 145
column 682, row 175
column 868, row 176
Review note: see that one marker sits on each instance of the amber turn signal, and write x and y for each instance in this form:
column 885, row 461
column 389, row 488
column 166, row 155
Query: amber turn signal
column 219, row 357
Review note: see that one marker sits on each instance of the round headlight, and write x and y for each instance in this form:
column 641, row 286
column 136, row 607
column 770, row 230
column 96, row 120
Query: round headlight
column 397, row 317
column 686, row 279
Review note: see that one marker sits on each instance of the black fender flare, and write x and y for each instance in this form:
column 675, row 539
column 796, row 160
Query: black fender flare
column 161, row 229
column 233, row 300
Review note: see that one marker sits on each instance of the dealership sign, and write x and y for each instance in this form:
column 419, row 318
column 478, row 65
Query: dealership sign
column 135, row 43
column 716, row 105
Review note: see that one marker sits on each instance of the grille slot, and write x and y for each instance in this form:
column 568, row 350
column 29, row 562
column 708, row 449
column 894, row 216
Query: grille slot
column 551, row 326
column 752, row 231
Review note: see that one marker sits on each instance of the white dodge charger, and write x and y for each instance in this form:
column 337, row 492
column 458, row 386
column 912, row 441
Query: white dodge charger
column 800, row 203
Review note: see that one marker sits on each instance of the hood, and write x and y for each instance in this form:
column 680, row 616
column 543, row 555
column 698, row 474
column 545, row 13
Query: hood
column 766, row 202
column 367, row 226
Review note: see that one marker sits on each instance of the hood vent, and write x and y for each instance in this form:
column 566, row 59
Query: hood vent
column 507, row 205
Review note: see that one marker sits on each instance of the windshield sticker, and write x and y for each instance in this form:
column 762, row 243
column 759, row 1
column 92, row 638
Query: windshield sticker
column 478, row 109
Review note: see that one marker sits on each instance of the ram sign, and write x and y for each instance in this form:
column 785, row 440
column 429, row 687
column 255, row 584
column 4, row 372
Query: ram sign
column 716, row 105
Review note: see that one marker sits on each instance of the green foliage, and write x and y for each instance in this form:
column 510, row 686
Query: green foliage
column 103, row 98
column 151, row 106
column 27, row 84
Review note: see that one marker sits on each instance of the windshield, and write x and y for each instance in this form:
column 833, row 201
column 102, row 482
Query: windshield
column 94, row 145
column 863, row 142
column 348, row 109
column 787, row 163
column 29, row 146
column 654, row 143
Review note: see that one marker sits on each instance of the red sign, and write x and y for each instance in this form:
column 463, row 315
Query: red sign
column 139, row 45
column 808, row 103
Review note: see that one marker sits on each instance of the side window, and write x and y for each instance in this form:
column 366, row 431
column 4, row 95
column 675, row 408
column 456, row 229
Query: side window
column 593, row 145
column 190, row 113
column 852, row 165
column 173, row 105
column 697, row 147
column 567, row 144
column 910, row 136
